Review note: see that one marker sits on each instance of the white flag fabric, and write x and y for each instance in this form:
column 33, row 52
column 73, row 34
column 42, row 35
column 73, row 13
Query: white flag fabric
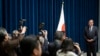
column 61, row 24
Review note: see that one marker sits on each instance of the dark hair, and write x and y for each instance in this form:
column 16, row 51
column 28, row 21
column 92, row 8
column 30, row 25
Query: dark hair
column 67, row 45
column 3, row 33
column 28, row 44
column 59, row 35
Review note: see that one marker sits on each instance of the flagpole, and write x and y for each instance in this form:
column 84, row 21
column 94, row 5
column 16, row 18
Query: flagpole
column 63, row 8
column 62, row 2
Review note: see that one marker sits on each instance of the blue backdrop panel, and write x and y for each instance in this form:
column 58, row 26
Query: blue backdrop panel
column 77, row 13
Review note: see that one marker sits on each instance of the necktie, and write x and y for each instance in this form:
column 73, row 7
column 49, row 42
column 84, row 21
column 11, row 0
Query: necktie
column 90, row 29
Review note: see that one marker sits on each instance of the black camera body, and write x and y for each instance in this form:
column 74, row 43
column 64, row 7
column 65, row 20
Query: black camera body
column 21, row 24
column 41, row 28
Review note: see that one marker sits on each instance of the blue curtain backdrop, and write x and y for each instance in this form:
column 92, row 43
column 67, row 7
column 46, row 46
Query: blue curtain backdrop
column 0, row 12
column 77, row 13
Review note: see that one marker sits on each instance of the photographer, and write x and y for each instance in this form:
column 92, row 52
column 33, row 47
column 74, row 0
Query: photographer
column 43, row 40
column 21, row 25
column 7, row 46
column 16, row 33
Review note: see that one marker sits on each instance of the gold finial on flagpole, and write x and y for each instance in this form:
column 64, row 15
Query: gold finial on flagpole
column 62, row 2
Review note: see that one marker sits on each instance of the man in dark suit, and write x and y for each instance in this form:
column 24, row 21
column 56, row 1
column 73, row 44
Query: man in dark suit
column 7, row 46
column 44, row 42
column 53, row 47
column 90, row 36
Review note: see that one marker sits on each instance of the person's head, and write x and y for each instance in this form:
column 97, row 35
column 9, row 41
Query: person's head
column 30, row 46
column 91, row 22
column 67, row 45
column 15, row 34
column 3, row 35
column 60, row 35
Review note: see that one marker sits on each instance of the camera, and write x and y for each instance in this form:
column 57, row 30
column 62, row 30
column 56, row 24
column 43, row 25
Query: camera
column 21, row 22
column 41, row 28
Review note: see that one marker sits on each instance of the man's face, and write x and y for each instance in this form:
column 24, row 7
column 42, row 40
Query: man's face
column 91, row 23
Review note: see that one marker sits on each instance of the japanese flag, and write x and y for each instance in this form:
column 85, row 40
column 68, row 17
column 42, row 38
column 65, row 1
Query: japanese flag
column 61, row 24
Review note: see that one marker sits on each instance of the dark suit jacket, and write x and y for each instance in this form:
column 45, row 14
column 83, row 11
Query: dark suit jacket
column 7, row 48
column 45, row 51
column 53, row 47
column 91, row 35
